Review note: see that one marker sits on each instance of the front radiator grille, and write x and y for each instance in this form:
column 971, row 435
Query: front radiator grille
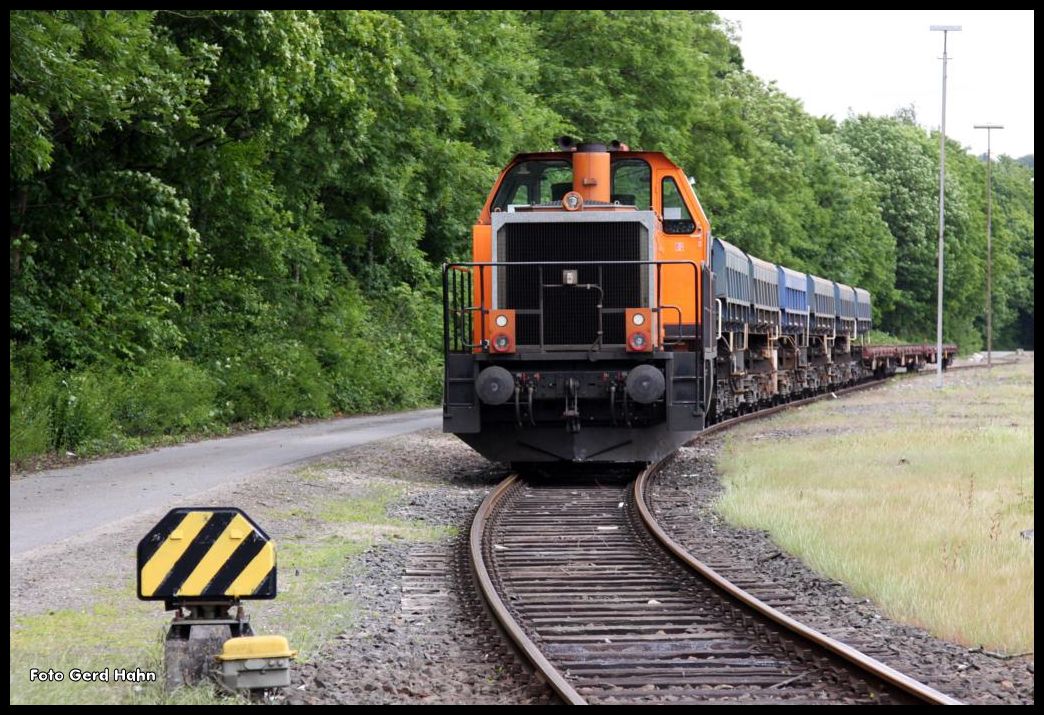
column 570, row 315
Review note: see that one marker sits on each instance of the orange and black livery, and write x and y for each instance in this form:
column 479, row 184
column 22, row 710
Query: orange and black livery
column 579, row 329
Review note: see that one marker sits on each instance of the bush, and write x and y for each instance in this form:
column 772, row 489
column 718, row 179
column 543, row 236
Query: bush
column 878, row 337
column 57, row 410
column 272, row 381
column 168, row 396
column 31, row 393
column 363, row 354
column 97, row 408
column 382, row 353
column 82, row 409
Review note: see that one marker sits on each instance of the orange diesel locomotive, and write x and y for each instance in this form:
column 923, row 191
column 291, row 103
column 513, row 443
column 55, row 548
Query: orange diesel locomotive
column 581, row 329
column 600, row 321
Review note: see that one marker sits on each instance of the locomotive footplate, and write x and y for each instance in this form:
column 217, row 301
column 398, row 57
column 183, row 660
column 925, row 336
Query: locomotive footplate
column 578, row 398
column 573, row 391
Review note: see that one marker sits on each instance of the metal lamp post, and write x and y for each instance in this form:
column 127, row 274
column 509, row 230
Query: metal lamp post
column 989, row 242
column 944, row 29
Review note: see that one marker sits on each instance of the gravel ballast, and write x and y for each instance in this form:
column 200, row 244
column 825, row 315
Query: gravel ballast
column 424, row 637
column 421, row 636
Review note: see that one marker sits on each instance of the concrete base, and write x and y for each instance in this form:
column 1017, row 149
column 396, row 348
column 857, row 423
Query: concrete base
column 190, row 661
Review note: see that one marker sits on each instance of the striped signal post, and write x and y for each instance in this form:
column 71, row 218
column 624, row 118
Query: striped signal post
column 989, row 242
column 207, row 554
column 202, row 562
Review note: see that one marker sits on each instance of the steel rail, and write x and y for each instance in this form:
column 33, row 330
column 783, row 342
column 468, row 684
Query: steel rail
column 500, row 611
column 862, row 661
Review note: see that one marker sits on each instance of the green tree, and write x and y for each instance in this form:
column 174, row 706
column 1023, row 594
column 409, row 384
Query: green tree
column 98, row 243
column 1013, row 254
column 896, row 154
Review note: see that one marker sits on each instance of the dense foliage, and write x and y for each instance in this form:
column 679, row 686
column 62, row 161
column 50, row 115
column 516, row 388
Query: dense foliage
column 223, row 216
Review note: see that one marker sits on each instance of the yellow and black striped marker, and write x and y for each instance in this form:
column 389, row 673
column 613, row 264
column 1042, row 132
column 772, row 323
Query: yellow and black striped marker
column 206, row 553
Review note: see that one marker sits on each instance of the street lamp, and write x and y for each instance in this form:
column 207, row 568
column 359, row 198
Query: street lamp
column 989, row 242
column 942, row 205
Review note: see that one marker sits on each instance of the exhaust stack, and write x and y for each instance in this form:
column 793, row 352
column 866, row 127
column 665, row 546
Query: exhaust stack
column 591, row 172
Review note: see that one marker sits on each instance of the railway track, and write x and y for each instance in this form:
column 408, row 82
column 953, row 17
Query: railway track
column 610, row 610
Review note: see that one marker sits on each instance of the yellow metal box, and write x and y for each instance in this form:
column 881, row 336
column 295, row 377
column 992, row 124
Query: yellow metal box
column 253, row 662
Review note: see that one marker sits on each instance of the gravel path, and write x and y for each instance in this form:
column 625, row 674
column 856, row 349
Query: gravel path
column 425, row 638
column 683, row 497
column 426, row 641
column 58, row 504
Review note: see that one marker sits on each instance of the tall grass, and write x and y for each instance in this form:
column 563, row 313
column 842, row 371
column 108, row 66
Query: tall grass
column 912, row 496
column 103, row 409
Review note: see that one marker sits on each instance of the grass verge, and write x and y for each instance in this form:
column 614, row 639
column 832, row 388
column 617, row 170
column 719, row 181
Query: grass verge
column 914, row 497
column 119, row 631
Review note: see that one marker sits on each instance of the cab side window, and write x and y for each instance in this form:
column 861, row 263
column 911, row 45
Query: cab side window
column 676, row 216
column 520, row 196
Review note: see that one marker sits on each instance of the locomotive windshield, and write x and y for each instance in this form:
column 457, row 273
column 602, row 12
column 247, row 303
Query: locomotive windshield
column 546, row 181
column 534, row 182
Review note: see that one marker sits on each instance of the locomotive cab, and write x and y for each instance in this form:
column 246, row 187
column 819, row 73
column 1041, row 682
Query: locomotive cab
column 581, row 329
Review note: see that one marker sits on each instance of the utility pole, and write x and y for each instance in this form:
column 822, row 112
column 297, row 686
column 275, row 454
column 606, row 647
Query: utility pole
column 989, row 242
column 942, row 206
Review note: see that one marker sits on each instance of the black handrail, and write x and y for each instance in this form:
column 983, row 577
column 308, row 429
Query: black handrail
column 463, row 313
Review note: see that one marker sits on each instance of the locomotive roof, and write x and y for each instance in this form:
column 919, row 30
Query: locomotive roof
column 546, row 155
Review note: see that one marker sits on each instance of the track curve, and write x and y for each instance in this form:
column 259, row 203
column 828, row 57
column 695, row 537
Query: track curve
column 864, row 662
column 610, row 610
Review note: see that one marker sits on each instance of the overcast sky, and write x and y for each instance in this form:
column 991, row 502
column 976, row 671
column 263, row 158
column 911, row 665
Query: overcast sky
column 874, row 62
